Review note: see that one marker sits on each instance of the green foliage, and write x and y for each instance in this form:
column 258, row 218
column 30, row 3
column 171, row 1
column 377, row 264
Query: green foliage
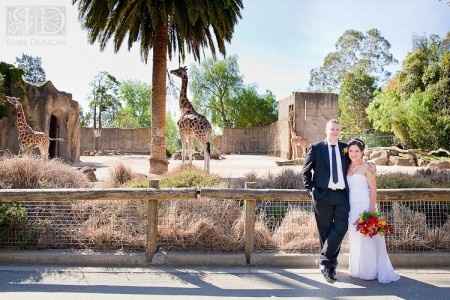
column 12, row 214
column 416, row 105
column 32, row 67
column 188, row 176
column 172, row 135
column 104, row 101
column 192, row 25
column 135, row 112
column 214, row 83
column 357, row 90
column 250, row 109
column 354, row 49
column 219, row 92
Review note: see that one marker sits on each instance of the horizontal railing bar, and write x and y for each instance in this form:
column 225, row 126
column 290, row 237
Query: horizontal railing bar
column 42, row 195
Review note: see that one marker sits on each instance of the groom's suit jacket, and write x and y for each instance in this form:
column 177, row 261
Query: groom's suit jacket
column 317, row 159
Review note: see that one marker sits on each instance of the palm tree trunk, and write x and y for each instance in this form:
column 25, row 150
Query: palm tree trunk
column 158, row 159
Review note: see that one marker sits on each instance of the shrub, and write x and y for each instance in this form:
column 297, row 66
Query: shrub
column 189, row 176
column 120, row 175
column 31, row 173
column 400, row 181
column 287, row 179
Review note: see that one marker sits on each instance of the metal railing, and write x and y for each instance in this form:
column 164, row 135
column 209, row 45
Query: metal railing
column 207, row 219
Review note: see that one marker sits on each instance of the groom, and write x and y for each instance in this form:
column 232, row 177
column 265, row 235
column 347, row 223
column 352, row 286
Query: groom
column 324, row 176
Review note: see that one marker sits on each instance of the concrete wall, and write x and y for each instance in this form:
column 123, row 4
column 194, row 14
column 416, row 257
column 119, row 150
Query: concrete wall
column 136, row 140
column 312, row 111
column 263, row 140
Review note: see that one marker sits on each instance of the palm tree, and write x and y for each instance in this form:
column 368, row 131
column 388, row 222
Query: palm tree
column 166, row 26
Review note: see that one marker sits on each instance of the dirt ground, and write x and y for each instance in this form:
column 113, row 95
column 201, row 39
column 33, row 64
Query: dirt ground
column 233, row 166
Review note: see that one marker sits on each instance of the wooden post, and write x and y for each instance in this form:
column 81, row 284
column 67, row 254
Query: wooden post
column 249, row 224
column 152, row 223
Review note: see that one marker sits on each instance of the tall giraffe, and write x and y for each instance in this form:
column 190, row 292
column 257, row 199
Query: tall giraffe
column 29, row 138
column 192, row 125
column 298, row 143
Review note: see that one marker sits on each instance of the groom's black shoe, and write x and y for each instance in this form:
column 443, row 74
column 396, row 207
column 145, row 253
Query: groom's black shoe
column 333, row 274
column 327, row 274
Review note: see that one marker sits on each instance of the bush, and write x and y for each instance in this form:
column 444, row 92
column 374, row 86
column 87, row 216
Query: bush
column 120, row 175
column 287, row 179
column 30, row 173
column 189, row 176
column 423, row 179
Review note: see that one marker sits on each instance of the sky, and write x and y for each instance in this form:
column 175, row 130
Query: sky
column 277, row 42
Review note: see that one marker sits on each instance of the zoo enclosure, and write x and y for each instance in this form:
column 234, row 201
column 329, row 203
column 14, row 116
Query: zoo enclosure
column 212, row 219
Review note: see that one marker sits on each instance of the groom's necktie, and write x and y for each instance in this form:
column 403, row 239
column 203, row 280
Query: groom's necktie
column 334, row 164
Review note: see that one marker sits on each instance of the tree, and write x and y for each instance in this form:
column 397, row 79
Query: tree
column 32, row 67
column 2, row 95
column 357, row 91
column 165, row 27
column 369, row 51
column 104, row 103
column 213, row 85
column 135, row 110
column 249, row 109
column 85, row 118
column 415, row 106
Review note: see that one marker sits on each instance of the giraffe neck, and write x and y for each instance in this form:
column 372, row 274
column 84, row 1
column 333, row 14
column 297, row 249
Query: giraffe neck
column 21, row 121
column 185, row 105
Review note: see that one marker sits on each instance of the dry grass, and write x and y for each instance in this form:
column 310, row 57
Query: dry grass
column 31, row 173
column 189, row 176
column 297, row 231
column 120, row 175
column 287, row 179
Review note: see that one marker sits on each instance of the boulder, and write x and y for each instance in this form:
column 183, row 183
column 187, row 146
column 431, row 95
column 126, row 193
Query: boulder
column 423, row 162
column 440, row 152
column 439, row 164
column 89, row 172
column 379, row 157
column 380, row 161
column 401, row 161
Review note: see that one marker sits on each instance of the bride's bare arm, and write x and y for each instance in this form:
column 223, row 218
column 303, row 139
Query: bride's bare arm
column 371, row 172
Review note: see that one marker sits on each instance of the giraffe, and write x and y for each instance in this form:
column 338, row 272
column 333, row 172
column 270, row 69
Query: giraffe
column 192, row 125
column 297, row 141
column 29, row 138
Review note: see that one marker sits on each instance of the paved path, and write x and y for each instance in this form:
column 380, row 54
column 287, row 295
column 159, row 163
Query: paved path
column 227, row 283
column 233, row 166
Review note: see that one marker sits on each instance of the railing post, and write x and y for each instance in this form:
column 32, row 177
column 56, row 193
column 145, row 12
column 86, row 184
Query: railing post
column 249, row 224
column 152, row 223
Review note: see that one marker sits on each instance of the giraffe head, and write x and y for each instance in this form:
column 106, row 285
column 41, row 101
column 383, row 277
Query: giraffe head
column 13, row 101
column 180, row 72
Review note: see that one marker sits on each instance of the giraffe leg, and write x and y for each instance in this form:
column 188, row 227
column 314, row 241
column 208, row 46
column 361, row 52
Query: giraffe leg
column 190, row 147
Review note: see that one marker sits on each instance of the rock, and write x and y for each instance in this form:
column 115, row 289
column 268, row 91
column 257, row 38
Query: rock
column 440, row 152
column 439, row 164
column 91, row 153
column 379, row 153
column 401, row 161
column 422, row 162
column 89, row 172
column 380, row 161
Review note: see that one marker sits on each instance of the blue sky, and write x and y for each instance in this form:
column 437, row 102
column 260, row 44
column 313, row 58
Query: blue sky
column 277, row 42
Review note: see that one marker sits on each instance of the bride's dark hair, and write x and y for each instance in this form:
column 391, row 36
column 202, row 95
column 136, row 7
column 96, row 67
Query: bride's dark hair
column 358, row 142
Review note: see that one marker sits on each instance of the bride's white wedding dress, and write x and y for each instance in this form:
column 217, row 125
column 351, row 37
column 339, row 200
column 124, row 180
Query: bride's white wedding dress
column 368, row 257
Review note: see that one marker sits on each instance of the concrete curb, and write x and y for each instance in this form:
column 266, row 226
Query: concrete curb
column 138, row 259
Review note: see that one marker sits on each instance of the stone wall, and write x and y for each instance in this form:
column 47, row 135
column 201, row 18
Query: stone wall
column 261, row 140
column 136, row 140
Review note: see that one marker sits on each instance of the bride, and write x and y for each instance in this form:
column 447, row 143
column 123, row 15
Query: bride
column 368, row 257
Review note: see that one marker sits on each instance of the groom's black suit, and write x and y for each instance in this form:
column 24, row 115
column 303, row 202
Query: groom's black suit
column 331, row 206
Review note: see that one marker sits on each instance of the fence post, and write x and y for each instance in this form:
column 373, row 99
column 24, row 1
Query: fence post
column 249, row 224
column 152, row 223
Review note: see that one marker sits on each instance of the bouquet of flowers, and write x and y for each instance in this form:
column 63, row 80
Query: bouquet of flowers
column 372, row 223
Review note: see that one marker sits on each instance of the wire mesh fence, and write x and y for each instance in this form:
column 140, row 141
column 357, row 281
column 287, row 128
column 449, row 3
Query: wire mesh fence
column 207, row 224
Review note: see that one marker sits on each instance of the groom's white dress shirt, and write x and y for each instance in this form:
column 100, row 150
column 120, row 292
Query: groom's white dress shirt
column 341, row 183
